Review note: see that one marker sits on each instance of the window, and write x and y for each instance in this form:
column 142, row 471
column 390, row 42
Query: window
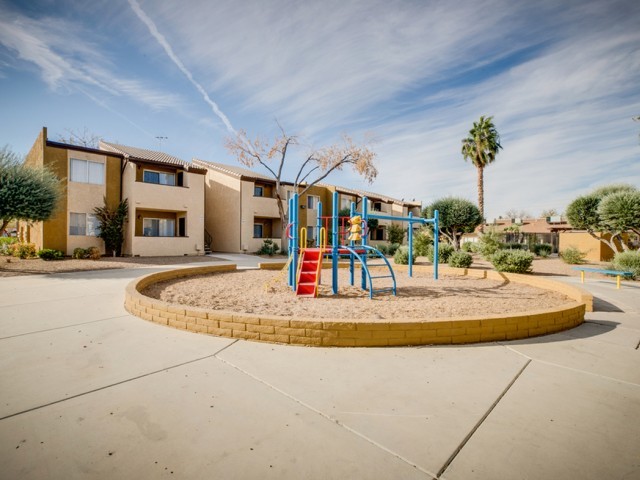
column 159, row 227
column 344, row 202
column 160, row 178
column 310, row 233
column 258, row 191
column 312, row 202
column 376, row 206
column 85, row 224
column 257, row 230
column 84, row 171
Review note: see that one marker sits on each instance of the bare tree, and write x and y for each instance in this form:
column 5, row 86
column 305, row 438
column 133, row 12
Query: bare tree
column 85, row 138
column 317, row 165
column 550, row 212
column 514, row 213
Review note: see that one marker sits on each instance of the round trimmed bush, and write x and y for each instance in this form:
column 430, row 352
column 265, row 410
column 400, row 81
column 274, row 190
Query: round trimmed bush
column 572, row 255
column 628, row 262
column 444, row 252
column 542, row 249
column 469, row 247
column 512, row 261
column 460, row 260
column 50, row 254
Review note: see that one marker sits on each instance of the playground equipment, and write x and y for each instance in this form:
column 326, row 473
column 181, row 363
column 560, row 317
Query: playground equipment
column 305, row 263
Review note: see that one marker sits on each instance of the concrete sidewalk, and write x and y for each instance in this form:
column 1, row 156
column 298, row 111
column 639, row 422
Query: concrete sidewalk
column 88, row 391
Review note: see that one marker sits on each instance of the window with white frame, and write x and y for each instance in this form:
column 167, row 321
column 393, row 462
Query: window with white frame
column 160, row 178
column 85, row 171
column 258, row 191
column 345, row 202
column 158, row 227
column 84, row 224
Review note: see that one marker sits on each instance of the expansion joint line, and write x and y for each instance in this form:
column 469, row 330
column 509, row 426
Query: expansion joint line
column 330, row 418
column 171, row 367
column 481, row 421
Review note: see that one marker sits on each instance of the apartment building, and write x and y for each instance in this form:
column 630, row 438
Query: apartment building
column 165, row 195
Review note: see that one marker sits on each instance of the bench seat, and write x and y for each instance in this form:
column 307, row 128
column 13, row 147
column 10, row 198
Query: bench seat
column 616, row 273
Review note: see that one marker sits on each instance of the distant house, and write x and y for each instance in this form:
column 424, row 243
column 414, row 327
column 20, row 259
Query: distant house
column 165, row 194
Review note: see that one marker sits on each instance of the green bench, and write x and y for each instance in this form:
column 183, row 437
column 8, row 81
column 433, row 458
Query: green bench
column 615, row 273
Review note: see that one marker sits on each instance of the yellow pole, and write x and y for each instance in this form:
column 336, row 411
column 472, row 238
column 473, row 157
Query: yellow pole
column 581, row 276
column 618, row 281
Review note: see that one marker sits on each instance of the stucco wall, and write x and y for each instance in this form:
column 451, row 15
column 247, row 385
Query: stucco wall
column 596, row 250
column 222, row 211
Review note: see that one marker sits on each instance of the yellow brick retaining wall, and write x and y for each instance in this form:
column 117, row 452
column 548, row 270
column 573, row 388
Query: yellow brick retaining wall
column 345, row 333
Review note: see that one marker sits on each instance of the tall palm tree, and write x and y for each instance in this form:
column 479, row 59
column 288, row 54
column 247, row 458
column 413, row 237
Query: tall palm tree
column 481, row 146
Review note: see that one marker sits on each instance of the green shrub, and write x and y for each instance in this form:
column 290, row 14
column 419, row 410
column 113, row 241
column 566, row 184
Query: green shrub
column 469, row 247
column 572, row 255
column 542, row 249
column 50, row 254
column 393, row 248
column 422, row 240
column 93, row 253
column 512, row 261
column 24, row 250
column 79, row 253
column 396, row 234
column 444, row 252
column 628, row 261
column 401, row 257
column 460, row 260
column 5, row 243
column 488, row 244
column 268, row 247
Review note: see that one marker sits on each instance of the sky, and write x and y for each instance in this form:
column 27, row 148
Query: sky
column 407, row 77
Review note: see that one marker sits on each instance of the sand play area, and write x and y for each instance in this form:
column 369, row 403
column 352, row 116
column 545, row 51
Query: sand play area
column 265, row 292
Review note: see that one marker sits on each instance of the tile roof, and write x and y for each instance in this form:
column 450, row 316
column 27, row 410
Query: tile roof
column 153, row 156
column 233, row 170
column 530, row 225
column 371, row 195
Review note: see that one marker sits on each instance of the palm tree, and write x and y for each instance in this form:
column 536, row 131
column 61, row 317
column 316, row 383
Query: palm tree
column 481, row 146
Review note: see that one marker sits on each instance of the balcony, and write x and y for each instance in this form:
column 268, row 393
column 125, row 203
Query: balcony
column 264, row 207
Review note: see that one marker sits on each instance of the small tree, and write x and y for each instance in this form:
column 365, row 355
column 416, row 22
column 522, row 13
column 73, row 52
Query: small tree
column 318, row 164
column 84, row 138
column 611, row 210
column 112, row 223
column 457, row 217
column 396, row 234
column 26, row 193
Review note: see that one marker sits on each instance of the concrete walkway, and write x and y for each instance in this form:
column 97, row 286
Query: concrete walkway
column 88, row 391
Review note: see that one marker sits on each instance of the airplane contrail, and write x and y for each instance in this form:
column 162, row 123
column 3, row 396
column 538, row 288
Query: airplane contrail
column 167, row 48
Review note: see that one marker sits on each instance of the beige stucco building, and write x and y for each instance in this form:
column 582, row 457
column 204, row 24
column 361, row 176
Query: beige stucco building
column 165, row 195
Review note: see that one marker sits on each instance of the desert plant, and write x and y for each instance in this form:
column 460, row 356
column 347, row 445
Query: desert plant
column 572, row 255
column 112, row 225
column 460, row 259
column 489, row 243
column 24, row 250
column 628, row 261
column 514, row 246
column 422, row 239
column 396, row 234
column 512, row 261
column 467, row 247
column 401, row 257
column 542, row 249
column 93, row 253
column 50, row 254
column 457, row 217
column 444, row 252
column 383, row 248
column 5, row 243
column 268, row 248
column 79, row 253
column 393, row 248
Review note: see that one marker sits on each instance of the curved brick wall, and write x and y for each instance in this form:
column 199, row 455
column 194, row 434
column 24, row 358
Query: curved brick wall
column 342, row 333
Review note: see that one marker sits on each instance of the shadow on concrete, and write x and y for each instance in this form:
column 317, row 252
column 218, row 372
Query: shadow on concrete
column 600, row 305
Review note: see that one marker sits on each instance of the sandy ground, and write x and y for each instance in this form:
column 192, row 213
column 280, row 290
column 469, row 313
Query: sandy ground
column 265, row 292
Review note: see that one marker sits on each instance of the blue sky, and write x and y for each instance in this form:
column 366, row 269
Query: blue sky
column 562, row 80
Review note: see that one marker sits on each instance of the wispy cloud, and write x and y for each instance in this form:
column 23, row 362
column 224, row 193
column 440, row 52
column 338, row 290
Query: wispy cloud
column 66, row 60
column 174, row 58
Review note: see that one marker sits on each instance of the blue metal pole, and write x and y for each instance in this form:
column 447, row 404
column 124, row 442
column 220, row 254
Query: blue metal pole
column 436, row 258
column 365, row 208
column 352, row 214
column 290, row 243
column 319, row 224
column 410, row 238
column 334, row 241
column 294, row 263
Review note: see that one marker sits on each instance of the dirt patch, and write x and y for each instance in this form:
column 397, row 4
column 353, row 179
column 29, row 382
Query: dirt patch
column 12, row 266
column 266, row 292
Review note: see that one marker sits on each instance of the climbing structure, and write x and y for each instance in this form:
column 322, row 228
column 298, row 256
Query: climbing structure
column 309, row 272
